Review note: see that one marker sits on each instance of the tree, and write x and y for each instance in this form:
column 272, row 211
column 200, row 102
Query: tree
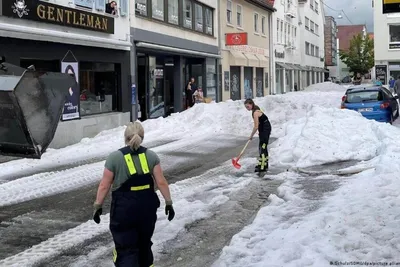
column 360, row 56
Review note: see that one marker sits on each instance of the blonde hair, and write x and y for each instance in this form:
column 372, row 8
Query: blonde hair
column 134, row 134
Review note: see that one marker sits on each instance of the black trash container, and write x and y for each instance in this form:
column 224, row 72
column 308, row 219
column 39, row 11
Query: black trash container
column 31, row 104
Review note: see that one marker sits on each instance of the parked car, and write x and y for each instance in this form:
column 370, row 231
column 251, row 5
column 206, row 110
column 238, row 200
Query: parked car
column 373, row 102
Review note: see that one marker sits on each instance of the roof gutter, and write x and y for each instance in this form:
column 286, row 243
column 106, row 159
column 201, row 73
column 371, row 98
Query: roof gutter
column 260, row 5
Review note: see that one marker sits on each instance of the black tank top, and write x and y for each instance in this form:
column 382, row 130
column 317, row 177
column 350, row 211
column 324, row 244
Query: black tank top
column 263, row 118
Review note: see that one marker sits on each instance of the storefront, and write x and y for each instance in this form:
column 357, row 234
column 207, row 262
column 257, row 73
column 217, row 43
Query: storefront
column 245, row 69
column 102, row 73
column 164, row 66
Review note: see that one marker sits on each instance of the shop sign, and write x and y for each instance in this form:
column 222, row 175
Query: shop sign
column 380, row 73
column 390, row 6
column 56, row 14
column 279, row 55
column 236, row 38
column 250, row 49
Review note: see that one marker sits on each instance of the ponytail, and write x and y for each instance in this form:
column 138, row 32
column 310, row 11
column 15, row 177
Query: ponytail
column 135, row 142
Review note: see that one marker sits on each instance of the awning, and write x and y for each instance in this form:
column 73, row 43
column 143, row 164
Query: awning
column 300, row 67
column 237, row 58
column 264, row 61
column 283, row 66
column 295, row 67
column 252, row 60
column 176, row 50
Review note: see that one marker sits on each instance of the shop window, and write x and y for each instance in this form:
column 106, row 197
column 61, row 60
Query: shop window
column 198, row 17
column 141, row 7
column 158, row 9
column 188, row 14
column 394, row 32
column 156, row 88
column 209, row 21
column 317, row 51
column 211, row 66
column 173, row 11
column 98, row 87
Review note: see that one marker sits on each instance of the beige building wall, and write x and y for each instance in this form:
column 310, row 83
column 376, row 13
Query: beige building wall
column 255, row 54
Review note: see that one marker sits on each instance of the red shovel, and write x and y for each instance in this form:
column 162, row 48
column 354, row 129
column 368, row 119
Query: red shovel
column 235, row 160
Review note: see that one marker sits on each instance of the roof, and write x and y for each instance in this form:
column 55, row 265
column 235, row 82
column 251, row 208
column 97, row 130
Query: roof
column 264, row 4
column 371, row 35
column 346, row 33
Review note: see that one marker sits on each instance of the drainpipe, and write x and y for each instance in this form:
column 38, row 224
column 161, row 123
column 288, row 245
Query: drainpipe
column 271, row 77
column 219, row 80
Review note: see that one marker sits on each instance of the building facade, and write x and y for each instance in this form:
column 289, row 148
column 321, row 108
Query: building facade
column 287, row 53
column 345, row 34
column 88, row 39
column 298, row 44
column 173, row 40
column 386, row 40
column 331, row 46
column 245, row 28
column 312, row 41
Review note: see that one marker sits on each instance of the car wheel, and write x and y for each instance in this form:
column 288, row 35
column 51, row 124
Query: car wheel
column 397, row 113
column 391, row 118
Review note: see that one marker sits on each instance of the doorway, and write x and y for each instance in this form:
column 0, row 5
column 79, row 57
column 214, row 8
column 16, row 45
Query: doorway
column 169, row 89
column 141, row 88
column 235, row 82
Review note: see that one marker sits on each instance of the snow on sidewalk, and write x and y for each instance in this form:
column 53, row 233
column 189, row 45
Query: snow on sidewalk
column 357, row 222
column 211, row 189
column 212, row 119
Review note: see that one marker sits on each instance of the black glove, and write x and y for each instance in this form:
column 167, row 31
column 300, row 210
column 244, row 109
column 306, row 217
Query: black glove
column 169, row 210
column 98, row 210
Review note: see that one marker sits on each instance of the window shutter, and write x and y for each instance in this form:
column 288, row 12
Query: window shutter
column 124, row 7
column 100, row 5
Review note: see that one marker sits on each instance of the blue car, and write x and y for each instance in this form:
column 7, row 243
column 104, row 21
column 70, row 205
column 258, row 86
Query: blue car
column 373, row 102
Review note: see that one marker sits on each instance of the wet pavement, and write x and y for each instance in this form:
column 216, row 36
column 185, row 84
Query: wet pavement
column 199, row 244
column 29, row 223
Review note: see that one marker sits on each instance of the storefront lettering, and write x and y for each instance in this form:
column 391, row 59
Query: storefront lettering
column 71, row 17
column 250, row 49
column 279, row 55
column 61, row 15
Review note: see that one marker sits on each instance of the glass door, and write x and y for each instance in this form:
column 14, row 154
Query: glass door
column 156, row 89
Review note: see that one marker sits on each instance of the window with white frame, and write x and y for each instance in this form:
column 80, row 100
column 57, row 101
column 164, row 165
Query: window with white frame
column 173, row 11
column 307, row 23
column 289, row 34
column 285, row 42
column 239, row 15
column 198, row 17
column 255, row 22
column 317, row 51
column 209, row 21
column 316, row 7
column 316, row 28
column 312, row 26
column 229, row 12
column 307, row 48
column 277, row 30
column 312, row 50
column 394, row 36
column 312, row 4
column 187, row 14
column 263, row 19
column 281, row 31
column 158, row 9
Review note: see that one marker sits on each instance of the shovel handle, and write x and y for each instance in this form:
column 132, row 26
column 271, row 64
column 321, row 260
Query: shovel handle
column 244, row 148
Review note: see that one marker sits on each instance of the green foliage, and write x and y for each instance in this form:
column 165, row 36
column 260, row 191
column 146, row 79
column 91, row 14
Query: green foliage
column 360, row 56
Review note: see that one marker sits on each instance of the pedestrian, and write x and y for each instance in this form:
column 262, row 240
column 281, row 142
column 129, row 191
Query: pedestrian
column 131, row 172
column 391, row 83
column 198, row 96
column 262, row 124
column 190, row 89
column 357, row 79
column 397, row 86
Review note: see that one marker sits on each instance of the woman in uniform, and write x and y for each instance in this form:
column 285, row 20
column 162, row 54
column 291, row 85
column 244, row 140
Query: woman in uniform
column 263, row 126
column 131, row 172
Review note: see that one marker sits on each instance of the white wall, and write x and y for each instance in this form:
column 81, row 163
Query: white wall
column 160, row 27
column 41, row 31
column 291, row 55
column 316, row 38
column 381, row 34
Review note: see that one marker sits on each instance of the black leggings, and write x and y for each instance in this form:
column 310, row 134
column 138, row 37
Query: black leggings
column 263, row 148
